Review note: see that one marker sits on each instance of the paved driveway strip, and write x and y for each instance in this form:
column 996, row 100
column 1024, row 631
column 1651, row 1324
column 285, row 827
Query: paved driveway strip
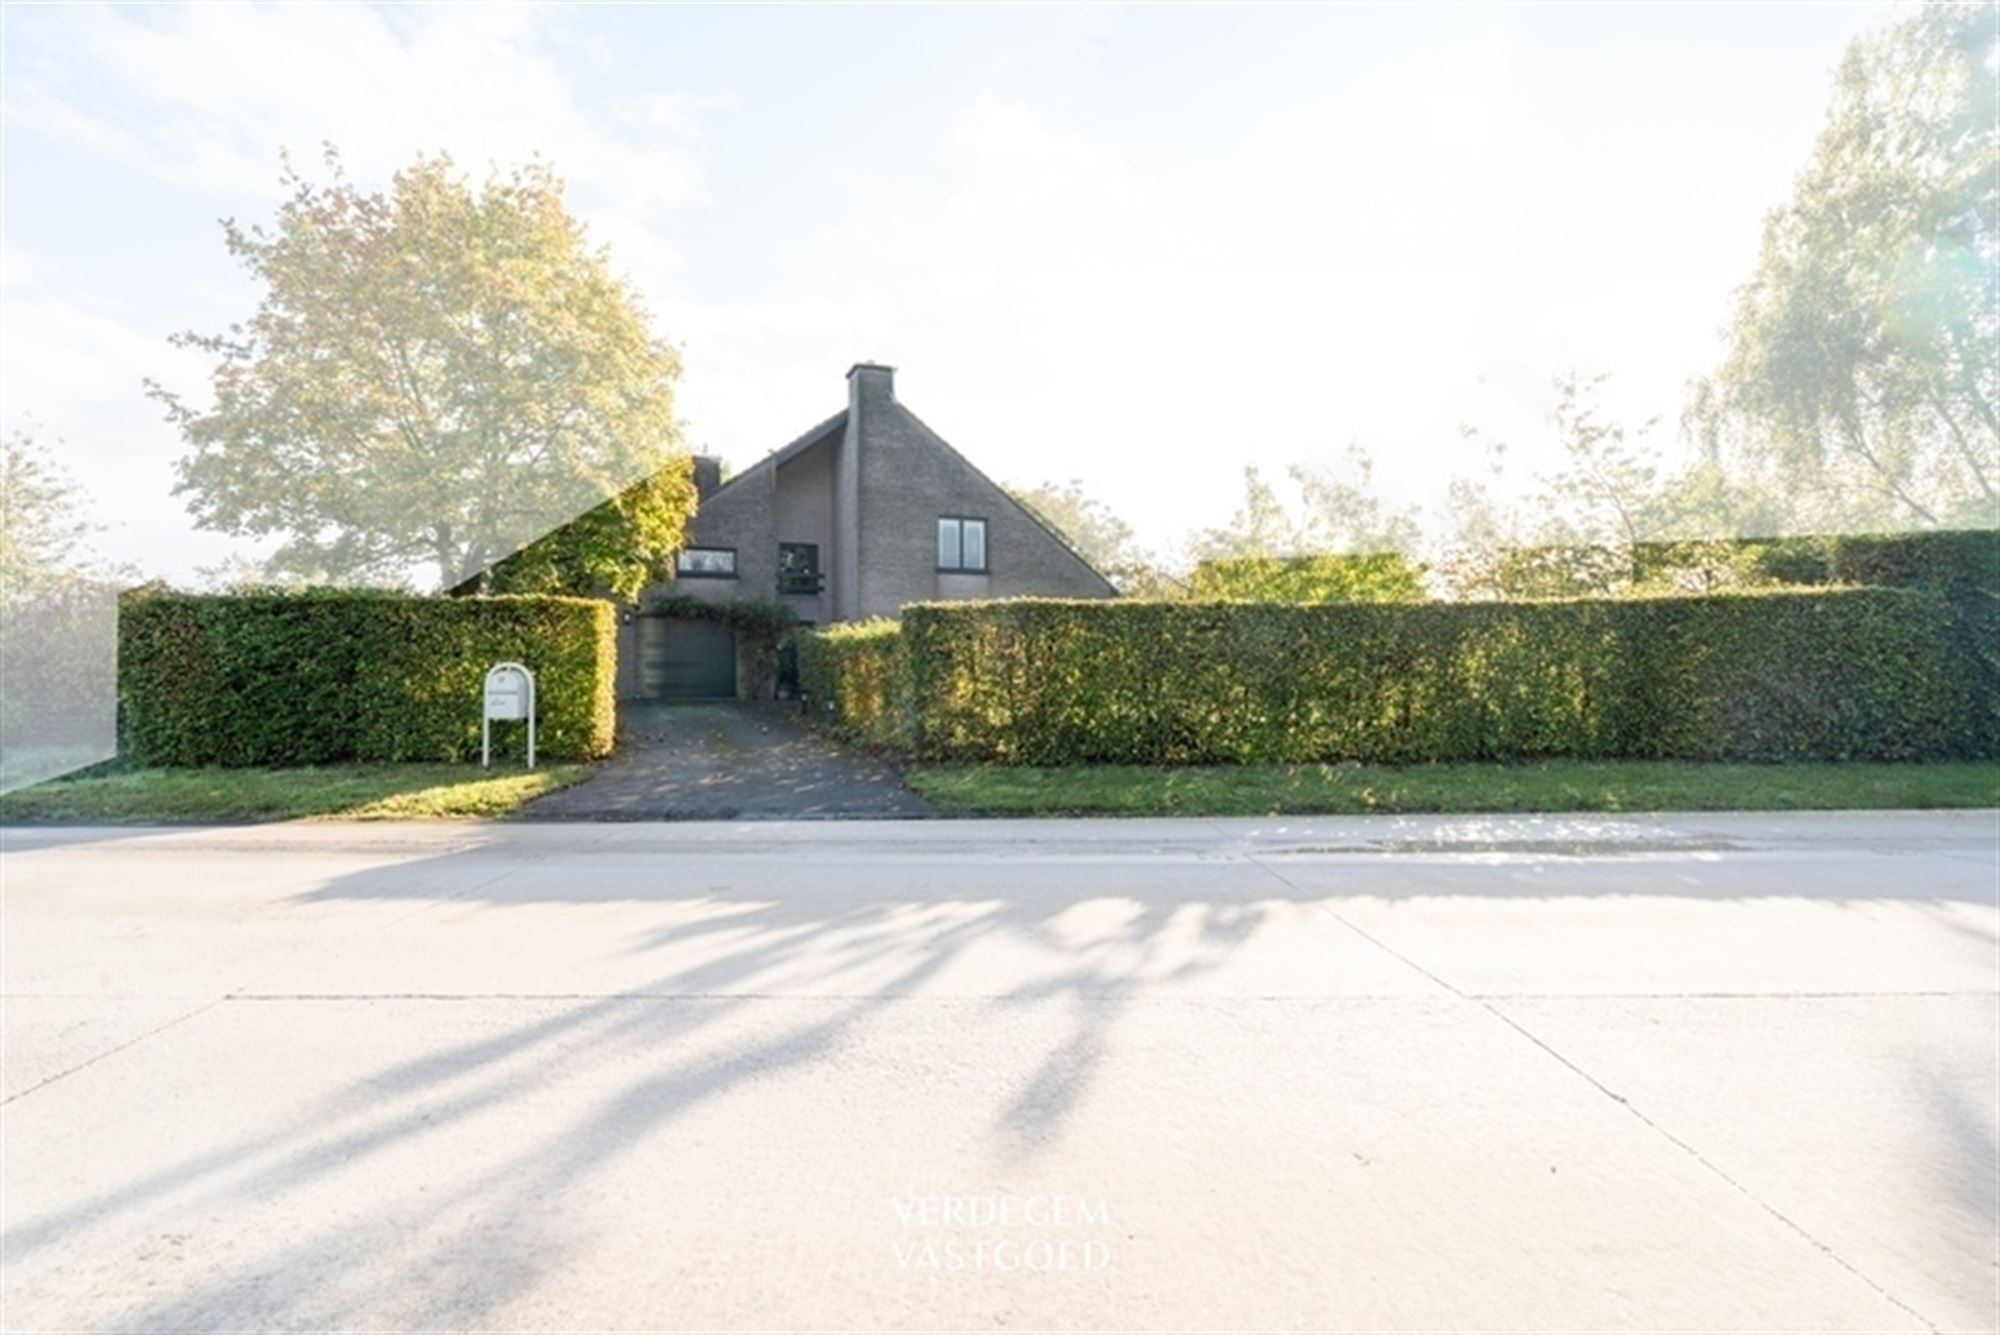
column 729, row 761
column 1722, row 1072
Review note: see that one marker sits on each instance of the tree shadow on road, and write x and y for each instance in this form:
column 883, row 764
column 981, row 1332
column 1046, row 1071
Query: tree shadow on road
column 1085, row 951
column 670, row 1033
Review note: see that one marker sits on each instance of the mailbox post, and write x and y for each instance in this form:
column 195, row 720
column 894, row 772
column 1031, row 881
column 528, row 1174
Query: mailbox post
column 510, row 694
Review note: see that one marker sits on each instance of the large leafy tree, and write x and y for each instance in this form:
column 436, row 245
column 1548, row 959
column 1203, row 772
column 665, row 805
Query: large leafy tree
column 1608, row 485
column 1098, row 535
column 1327, row 510
column 1372, row 577
column 1340, row 512
column 1865, row 350
column 437, row 374
column 44, row 533
column 58, row 620
column 617, row 547
column 1261, row 525
column 1574, row 534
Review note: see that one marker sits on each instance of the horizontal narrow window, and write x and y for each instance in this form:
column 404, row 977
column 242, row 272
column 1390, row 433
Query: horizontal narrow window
column 706, row 562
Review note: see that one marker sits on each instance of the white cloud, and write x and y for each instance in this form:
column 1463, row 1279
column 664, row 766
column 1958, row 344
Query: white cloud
column 1064, row 307
column 1382, row 257
column 73, row 375
column 199, row 99
column 199, row 96
column 1060, row 313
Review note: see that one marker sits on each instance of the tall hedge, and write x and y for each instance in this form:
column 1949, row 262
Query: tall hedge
column 851, row 677
column 1373, row 577
column 340, row 675
column 1936, row 559
column 1977, row 638
column 1967, row 559
column 1828, row 674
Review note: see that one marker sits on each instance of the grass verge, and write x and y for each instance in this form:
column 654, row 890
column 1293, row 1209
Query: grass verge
column 110, row 795
column 1268, row 790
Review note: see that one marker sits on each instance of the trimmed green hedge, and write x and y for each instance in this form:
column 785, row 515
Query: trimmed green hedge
column 1374, row 577
column 1977, row 639
column 1942, row 559
column 1844, row 674
column 337, row 675
column 1938, row 559
column 851, row 677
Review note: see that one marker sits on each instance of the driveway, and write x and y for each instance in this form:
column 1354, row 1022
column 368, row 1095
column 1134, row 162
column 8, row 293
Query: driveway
column 1714, row 1073
column 728, row 761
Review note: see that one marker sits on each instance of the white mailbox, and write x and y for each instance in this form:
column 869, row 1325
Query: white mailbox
column 510, row 695
column 506, row 696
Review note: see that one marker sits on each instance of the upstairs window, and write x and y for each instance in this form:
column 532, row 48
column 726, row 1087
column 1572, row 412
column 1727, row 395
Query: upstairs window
column 798, row 568
column 705, row 563
column 961, row 544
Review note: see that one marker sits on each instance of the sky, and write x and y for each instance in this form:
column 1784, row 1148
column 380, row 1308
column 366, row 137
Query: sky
column 1139, row 247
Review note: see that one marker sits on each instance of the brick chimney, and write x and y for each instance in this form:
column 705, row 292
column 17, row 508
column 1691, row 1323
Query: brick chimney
column 870, row 382
column 707, row 475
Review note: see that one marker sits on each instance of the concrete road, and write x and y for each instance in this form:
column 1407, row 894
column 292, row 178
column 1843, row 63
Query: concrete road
column 1714, row 1073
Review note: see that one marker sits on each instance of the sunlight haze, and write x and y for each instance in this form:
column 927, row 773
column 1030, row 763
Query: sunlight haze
column 1137, row 247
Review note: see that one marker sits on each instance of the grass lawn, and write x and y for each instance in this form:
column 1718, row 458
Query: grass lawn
column 111, row 795
column 1267, row 790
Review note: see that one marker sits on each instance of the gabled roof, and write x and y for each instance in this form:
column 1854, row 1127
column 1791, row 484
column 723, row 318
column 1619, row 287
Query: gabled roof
column 832, row 426
column 1061, row 539
column 836, row 425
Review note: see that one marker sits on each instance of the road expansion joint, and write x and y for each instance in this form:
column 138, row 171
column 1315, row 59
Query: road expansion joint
column 1488, row 1005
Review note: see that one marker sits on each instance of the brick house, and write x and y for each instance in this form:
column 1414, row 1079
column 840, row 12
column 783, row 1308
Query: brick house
column 863, row 513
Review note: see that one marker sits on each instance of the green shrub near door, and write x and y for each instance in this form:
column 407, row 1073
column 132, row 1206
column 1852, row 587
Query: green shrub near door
column 1842, row 674
column 850, row 677
column 326, row 676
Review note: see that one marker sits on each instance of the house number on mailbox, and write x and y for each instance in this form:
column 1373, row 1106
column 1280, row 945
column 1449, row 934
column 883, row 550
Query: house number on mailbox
column 510, row 694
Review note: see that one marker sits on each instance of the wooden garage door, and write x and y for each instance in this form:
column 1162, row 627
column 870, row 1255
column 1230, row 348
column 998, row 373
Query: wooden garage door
column 686, row 660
